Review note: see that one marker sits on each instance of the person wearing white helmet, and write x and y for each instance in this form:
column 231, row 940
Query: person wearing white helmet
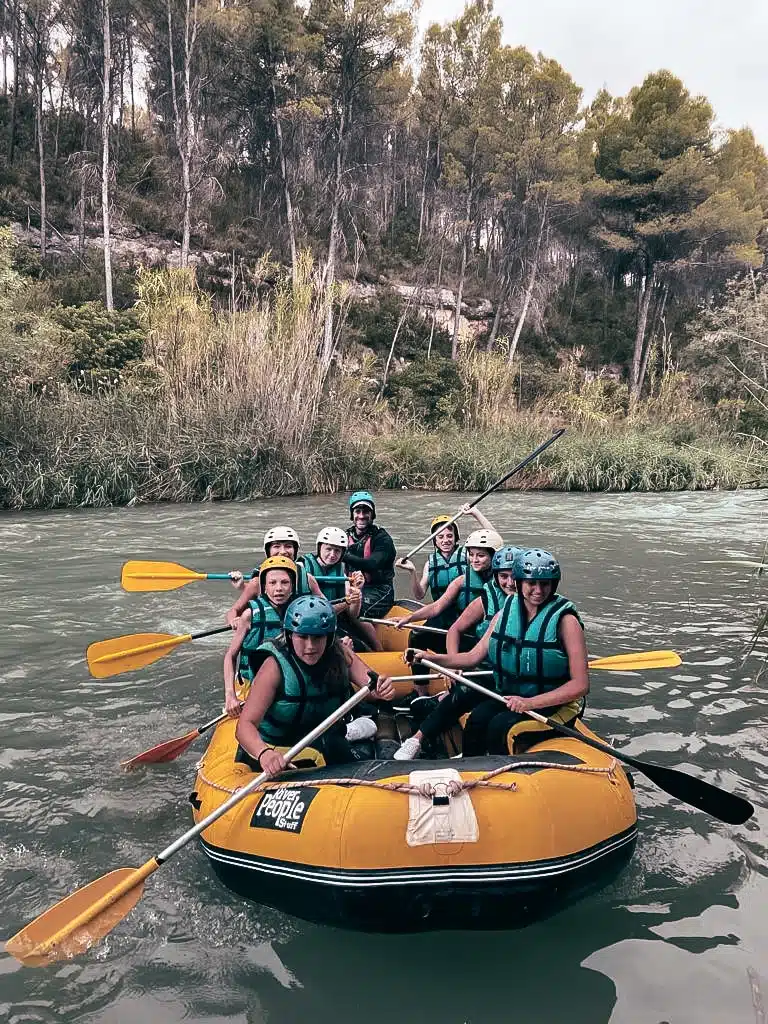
column 461, row 592
column 344, row 592
column 278, row 540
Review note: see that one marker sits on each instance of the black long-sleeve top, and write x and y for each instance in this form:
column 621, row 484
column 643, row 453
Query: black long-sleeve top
column 380, row 565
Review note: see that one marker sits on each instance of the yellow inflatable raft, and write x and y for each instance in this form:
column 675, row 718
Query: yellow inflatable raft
column 397, row 846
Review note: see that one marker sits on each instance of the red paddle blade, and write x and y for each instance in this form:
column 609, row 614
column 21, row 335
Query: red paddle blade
column 163, row 752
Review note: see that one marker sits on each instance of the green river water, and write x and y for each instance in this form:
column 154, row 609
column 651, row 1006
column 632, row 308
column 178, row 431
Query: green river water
column 681, row 937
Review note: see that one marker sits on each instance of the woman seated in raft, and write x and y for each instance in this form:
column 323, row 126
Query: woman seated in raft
column 303, row 677
column 261, row 620
column 344, row 592
column 536, row 648
column 473, row 621
column 460, row 592
column 447, row 561
column 278, row 540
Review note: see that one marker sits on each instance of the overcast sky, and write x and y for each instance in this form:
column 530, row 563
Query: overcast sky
column 719, row 48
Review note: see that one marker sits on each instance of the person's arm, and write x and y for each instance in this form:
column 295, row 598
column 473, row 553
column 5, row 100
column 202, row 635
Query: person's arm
column 469, row 659
column 251, row 590
column 314, row 586
column 418, row 586
column 469, row 618
column 260, row 698
column 429, row 611
column 382, row 555
column 572, row 637
column 231, row 703
column 481, row 520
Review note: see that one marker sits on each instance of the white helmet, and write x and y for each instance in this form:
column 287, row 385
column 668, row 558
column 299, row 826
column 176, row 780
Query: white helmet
column 332, row 535
column 485, row 539
column 280, row 533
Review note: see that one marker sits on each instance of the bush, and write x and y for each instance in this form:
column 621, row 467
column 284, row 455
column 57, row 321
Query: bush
column 374, row 324
column 100, row 344
column 428, row 389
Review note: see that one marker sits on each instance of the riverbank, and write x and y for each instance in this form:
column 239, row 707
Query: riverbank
column 88, row 451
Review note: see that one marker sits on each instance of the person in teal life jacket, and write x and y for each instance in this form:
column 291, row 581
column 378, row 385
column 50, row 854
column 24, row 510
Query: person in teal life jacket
column 460, row 592
column 278, row 540
column 536, row 648
column 473, row 621
column 262, row 620
column 304, row 676
column 371, row 551
column 344, row 592
column 447, row 561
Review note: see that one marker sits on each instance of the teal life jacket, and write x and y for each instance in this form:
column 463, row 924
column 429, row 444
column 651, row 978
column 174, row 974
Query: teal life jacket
column 333, row 590
column 302, row 700
column 441, row 570
column 266, row 623
column 529, row 659
column 493, row 598
column 473, row 586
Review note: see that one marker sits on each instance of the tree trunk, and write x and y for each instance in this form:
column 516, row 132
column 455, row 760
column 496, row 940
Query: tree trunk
column 531, row 285
column 106, row 116
column 423, row 193
column 642, row 322
column 130, row 74
column 503, row 296
column 658, row 316
column 184, row 129
column 16, row 74
column 286, row 188
column 41, row 161
column 330, row 267
column 437, row 296
column 464, row 253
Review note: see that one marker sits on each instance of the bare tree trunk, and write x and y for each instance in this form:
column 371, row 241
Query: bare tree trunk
column 130, row 73
column 503, row 296
column 437, row 295
column 464, row 253
column 330, row 267
column 106, row 117
column 423, row 193
column 16, row 74
column 286, row 188
column 184, row 129
column 658, row 317
column 531, row 285
column 642, row 321
column 41, row 161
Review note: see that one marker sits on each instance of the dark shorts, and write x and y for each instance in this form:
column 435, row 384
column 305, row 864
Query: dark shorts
column 378, row 598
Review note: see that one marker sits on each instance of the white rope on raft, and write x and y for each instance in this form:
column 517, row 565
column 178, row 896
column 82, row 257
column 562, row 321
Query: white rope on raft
column 428, row 790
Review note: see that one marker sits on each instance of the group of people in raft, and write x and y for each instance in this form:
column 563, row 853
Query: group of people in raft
column 298, row 618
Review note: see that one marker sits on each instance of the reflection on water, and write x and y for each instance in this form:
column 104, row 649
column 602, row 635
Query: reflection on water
column 680, row 937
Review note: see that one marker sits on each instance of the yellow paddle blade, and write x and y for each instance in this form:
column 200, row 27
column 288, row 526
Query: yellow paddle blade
column 638, row 661
column 126, row 653
column 84, row 917
column 156, row 576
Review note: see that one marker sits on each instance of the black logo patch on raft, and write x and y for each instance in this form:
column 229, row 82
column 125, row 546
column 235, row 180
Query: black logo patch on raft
column 283, row 810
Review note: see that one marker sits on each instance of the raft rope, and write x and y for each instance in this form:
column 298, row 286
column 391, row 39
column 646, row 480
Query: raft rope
column 428, row 789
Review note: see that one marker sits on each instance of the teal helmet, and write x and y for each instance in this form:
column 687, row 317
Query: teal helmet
column 504, row 559
column 535, row 564
column 362, row 498
column 310, row 616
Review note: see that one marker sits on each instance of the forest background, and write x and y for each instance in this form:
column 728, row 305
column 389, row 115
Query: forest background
column 254, row 247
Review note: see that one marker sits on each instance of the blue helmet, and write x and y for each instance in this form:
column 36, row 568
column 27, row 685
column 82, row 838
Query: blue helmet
column 503, row 560
column 310, row 616
column 362, row 498
column 535, row 564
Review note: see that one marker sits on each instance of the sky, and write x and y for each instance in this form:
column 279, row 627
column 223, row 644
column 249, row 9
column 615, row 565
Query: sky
column 719, row 48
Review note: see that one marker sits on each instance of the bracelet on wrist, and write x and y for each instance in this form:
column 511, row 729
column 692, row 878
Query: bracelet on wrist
column 261, row 754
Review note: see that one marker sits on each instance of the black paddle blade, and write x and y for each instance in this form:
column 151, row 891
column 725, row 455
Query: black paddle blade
column 721, row 804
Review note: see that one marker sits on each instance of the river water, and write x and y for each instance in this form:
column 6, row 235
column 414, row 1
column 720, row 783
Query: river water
column 681, row 937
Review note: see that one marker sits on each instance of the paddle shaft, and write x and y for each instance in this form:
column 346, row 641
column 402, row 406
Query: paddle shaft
column 417, row 629
column 718, row 802
column 521, row 465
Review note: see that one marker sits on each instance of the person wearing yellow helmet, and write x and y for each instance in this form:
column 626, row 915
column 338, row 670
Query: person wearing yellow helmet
column 278, row 540
column 261, row 620
column 447, row 561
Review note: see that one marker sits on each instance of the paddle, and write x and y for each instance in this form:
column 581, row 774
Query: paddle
column 87, row 915
column 137, row 650
column 725, row 806
column 521, row 465
column 171, row 749
column 141, row 577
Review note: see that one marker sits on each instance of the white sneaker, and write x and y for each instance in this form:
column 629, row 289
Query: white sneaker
column 409, row 749
column 361, row 729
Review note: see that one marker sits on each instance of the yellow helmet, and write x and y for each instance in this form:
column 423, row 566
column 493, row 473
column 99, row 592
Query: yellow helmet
column 278, row 562
column 443, row 519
